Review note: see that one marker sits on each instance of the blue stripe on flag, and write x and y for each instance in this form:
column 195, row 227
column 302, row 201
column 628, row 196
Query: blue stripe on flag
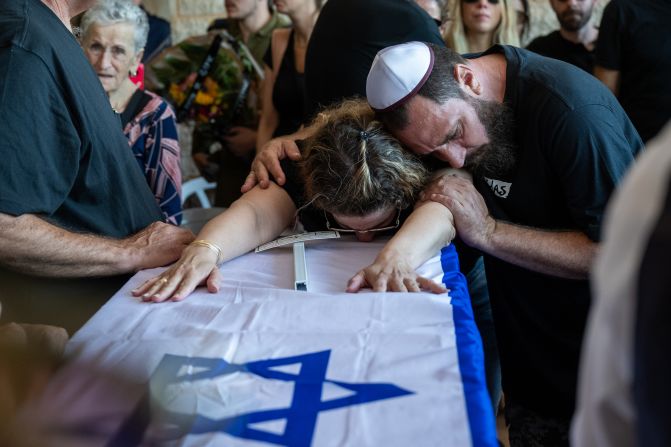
column 470, row 353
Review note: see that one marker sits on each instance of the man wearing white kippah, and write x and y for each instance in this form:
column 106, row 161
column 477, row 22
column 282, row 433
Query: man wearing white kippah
column 547, row 144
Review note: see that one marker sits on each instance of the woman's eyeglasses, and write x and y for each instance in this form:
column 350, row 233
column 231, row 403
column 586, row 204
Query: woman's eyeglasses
column 370, row 230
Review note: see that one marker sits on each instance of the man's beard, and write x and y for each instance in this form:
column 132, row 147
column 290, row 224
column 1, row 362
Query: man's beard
column 571, row 22
column 497, row 158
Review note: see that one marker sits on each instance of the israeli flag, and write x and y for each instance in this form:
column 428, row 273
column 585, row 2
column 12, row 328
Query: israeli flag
column 259, row 364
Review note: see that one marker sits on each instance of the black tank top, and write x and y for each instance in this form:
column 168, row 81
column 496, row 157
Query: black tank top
column 289, row 96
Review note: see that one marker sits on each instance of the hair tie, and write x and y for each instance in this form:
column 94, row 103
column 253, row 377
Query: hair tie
column 364, row 135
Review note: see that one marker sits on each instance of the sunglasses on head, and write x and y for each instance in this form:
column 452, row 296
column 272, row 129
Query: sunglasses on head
column 491, row 2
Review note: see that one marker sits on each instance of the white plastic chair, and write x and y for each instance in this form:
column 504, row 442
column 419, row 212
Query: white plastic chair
column 198, row 186
column 195, row 218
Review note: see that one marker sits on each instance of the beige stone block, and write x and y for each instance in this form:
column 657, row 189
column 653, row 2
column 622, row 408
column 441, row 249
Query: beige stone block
column 191, row 26
column 200, row 7
column 166, row 9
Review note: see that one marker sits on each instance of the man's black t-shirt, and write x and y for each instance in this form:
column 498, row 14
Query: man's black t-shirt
column 574, row 145
column 634, row 39
column 64, row 156
column 555, row 46
column 347, row 36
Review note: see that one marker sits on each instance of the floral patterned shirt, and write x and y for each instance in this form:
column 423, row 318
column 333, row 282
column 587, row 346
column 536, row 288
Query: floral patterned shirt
column 152, row 135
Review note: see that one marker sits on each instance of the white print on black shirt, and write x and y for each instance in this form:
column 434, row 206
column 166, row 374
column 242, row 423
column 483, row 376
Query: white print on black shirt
column 501, row 189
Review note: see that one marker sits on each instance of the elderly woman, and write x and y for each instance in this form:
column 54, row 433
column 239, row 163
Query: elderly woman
column 353, row 178
column 114, row 33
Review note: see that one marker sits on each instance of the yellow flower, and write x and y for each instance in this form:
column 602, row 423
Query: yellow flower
column 204, row 99
column 211, row 86
column 176, row 93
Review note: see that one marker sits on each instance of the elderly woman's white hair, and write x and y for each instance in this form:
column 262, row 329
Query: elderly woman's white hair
column 109, row 12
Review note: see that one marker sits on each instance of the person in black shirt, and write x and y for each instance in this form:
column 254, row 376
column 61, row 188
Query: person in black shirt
column 73, row 204
column 575, row 40
column 346, row 37
column 633, row 59
column 547, row 144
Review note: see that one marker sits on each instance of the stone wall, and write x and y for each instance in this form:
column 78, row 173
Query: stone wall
column 187, row 17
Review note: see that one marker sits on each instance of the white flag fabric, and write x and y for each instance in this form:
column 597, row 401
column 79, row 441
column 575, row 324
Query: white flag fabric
column 259, row 364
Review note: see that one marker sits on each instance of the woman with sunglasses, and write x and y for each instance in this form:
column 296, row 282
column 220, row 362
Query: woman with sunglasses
column 476, row 25
column 353, row 177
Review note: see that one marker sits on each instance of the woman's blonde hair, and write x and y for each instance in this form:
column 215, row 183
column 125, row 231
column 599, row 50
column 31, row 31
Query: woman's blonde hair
column 352, row 166
column 505, row 33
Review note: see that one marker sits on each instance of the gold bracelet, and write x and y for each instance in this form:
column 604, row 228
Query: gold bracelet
column 214, row 247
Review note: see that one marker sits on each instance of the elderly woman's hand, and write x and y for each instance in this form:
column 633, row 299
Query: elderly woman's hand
column 392, row 274
column 197, row 266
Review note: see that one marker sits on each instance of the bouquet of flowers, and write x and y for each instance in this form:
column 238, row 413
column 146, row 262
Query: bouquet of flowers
column 224, row 94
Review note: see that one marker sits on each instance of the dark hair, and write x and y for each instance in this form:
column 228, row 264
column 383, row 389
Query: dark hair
column 439, row 87
column 352, row 166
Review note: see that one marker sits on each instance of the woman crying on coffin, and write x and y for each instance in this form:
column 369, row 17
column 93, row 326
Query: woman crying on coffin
column 353, row 177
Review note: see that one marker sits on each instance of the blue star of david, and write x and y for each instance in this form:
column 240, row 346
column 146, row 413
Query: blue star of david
column 301, row 416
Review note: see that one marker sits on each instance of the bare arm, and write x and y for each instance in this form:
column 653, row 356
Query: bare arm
column 269, row 116
column 31, row 245
column 611, row 78
column 429, row 228
column 566, row 254
column 257, row 217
